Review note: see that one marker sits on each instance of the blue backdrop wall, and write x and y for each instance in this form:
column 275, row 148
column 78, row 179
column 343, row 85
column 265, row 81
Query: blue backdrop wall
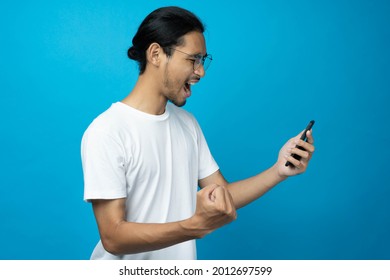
column 277, row 65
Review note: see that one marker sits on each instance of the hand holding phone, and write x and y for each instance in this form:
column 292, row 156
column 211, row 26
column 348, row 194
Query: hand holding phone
column 304, row 138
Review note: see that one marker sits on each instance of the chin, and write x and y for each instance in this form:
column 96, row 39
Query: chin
column 179, row 104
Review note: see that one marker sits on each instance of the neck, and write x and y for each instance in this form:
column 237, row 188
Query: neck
column 146, row 97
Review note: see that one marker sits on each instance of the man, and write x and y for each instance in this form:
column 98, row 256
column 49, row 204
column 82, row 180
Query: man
column 144, row 158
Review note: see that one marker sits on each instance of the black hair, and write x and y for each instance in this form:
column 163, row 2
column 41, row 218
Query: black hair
column 165, row 26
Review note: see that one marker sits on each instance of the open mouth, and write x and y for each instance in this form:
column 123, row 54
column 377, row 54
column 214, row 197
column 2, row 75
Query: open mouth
column 187, row 88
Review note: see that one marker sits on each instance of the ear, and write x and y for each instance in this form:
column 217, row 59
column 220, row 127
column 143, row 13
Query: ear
column 154, row 53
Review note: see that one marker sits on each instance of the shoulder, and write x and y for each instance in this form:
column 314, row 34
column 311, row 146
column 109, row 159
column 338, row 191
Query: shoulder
column 108, row 121
column 106, row 127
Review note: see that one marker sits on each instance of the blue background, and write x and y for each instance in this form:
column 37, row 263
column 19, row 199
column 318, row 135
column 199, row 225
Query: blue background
column 277, row 65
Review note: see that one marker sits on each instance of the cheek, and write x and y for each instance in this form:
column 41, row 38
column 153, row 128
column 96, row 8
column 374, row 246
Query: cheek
column 179, row 74
column 181, row 77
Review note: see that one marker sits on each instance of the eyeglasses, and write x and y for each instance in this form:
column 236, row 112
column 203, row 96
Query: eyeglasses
column 198, row 59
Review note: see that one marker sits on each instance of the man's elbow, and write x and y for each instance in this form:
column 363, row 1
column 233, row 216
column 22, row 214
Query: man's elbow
column 111, row 245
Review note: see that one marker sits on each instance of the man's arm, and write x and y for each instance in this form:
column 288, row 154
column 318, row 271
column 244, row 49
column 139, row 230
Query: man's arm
column 214, row 209
column 248, row 190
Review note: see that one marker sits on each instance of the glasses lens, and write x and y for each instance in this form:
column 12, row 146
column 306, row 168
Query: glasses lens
column 205, row 61
column 198, row 62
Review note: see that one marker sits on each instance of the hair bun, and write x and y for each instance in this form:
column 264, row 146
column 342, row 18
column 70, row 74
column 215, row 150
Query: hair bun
column 132, row 53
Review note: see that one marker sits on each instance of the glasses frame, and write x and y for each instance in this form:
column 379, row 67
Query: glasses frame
column 198, row 59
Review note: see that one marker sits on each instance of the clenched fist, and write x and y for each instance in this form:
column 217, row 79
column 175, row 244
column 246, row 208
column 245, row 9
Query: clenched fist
column 214, row 208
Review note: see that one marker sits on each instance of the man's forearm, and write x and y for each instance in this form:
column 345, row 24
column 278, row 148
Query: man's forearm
column 248, row 190
column 132, row 238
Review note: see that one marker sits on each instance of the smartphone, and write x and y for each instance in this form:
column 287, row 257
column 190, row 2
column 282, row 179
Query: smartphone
column 303, row 137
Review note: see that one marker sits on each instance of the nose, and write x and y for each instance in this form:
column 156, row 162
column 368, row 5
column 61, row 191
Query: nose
column 200, row 71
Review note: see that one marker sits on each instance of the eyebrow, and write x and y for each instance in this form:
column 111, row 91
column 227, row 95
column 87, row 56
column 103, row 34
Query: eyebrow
column 200, row 55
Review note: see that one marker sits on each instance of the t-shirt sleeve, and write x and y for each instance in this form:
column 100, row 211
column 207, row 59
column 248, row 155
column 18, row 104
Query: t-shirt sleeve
column 103, row 162
column 207, row 164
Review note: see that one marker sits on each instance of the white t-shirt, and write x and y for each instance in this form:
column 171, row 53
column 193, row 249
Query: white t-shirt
column 154, row 162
